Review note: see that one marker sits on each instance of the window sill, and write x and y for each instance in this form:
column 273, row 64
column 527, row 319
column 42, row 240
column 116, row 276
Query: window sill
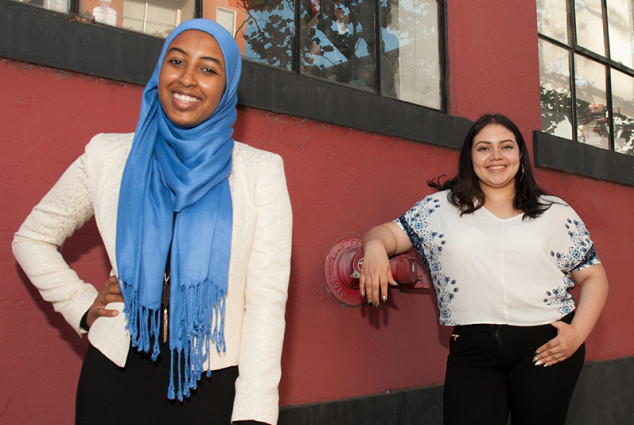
column 47, row 38
column 566, row 155
column 56, row 40
column 276, row 90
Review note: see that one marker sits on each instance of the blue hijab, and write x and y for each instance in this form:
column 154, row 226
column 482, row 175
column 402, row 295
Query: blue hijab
column 175, row 205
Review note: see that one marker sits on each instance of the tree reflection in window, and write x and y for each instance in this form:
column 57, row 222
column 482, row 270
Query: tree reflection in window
column 268, row 31
column 587, row 89
column 623, row 112
column 344, row 41
column 410, row 56
column 556, row 98
column 338, row 41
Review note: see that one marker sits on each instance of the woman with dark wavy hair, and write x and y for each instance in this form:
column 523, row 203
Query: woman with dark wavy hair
column 503, row 256
column 465, row 190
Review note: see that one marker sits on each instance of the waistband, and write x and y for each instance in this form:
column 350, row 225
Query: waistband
column 485, row 326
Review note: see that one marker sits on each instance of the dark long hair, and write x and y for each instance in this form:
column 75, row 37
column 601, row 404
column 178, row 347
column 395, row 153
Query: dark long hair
column 464, row 189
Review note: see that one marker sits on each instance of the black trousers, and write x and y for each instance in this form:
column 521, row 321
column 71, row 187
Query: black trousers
column 490, row 374
column 137, row 394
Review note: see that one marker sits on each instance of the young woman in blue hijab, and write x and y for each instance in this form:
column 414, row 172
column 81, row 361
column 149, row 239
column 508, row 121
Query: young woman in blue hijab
column 189, row 327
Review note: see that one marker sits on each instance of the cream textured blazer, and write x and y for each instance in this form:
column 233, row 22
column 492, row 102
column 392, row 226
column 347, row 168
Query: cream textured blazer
column 258, row 271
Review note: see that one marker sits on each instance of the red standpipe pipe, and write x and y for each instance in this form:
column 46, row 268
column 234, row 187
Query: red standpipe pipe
column 343, row 269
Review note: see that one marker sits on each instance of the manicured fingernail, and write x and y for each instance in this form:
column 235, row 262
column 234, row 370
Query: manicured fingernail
column 395, row 283
column 535, row 359
column 369, row 301
column 536, row 352
column 376, row 305
column 548, row 365
column 538, row 363
column 362, row 294
column 384, row 298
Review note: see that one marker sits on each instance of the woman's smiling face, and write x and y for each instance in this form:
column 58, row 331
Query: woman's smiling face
column 496, row 156
column 192, row 79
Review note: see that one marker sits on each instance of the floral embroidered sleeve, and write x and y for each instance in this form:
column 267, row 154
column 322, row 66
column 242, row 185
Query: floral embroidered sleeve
column 415, row 223
column 430, row 242
column 576, row 250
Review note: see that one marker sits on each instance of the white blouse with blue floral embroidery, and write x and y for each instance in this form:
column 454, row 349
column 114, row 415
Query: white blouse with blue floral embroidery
column 511, row 271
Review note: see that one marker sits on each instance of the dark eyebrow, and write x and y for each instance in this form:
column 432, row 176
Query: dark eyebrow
column 187, row 54
column 209, row 58
column 178, row 50
column 501, row 141
column 481, row 142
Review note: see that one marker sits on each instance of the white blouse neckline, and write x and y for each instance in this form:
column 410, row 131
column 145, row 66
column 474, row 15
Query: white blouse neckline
column 500, row 218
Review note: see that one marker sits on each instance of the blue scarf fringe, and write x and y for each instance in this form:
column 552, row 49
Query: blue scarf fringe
column 144, row 326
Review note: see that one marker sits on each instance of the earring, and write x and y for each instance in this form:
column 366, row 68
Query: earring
column 522, row 169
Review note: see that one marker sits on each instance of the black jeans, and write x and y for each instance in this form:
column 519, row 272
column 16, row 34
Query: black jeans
column 490, row 373
column 137, row 394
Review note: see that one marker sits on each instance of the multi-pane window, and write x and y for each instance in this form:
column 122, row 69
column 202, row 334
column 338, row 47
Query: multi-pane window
column 56, row 5
column 385, row 47
column 155, row 17
column 586, row 57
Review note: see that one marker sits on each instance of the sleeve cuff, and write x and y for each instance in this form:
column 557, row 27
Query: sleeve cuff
column 83, row 323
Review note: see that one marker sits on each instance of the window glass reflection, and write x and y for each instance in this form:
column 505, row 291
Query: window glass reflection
column 56, row 5
column 552, row 19
column 156, row 17
column 338, row 41
column 410, row 68
column 592, row 111
column 589, row 20
column 264, row 29
column 555, row 96
column 623, row 106
column 621, row 30
column 388, row 47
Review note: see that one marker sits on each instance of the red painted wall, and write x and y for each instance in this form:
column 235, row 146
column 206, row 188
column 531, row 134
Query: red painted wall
column 341, row 181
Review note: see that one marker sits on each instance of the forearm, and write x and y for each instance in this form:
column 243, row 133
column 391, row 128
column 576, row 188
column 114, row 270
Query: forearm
column 592, row 297
column 64, row 209
column 384, row 237
column 56, row 282
column 265, row 298
column 260, row 364
column 594, row 291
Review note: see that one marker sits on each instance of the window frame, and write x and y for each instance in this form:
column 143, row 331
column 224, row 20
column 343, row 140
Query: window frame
column 51, row 39
column 57, row 40
column 570, row 154
column 561, row 154
column 74, row 7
